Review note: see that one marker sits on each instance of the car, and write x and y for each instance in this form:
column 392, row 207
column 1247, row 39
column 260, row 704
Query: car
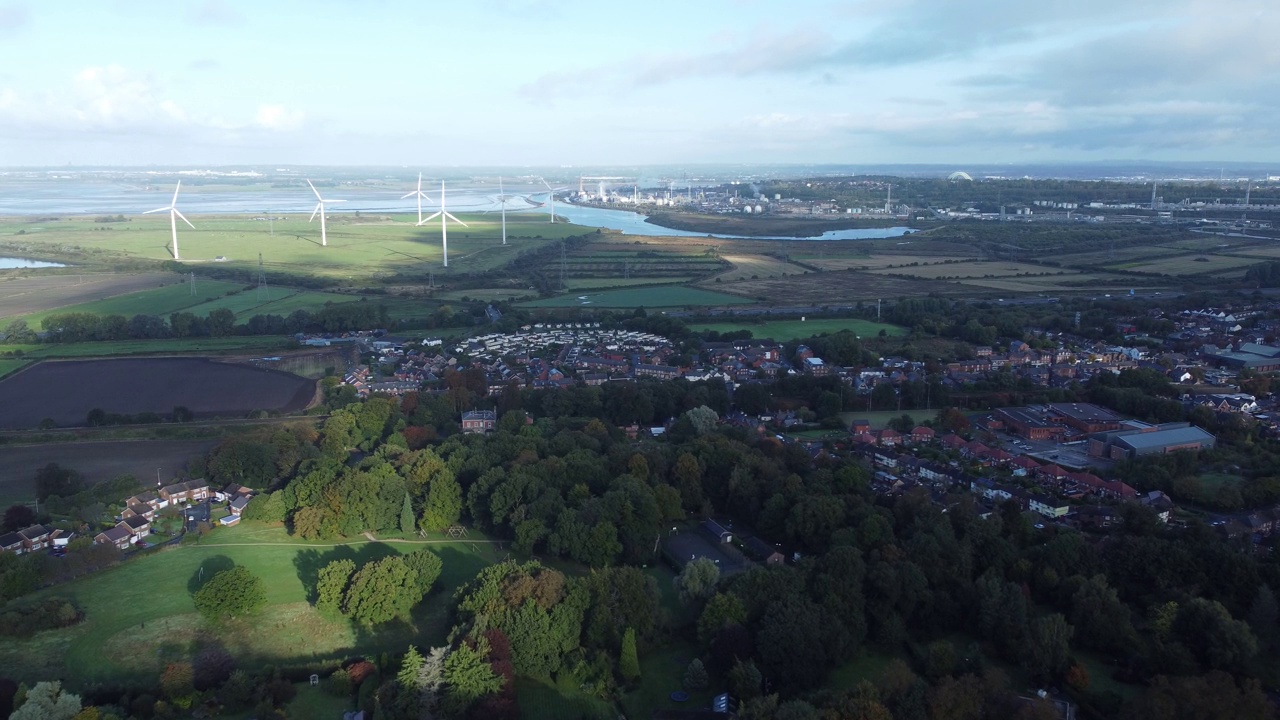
column 1039, row 526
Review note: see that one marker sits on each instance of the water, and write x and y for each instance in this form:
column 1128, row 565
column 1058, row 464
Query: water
column 7, row 263
column 75, row 196
column 630, row 223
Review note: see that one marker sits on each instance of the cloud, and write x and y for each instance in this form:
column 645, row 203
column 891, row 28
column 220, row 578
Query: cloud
column 277, row 117
column 13, row 18
column 204, row 64
column 216, row 13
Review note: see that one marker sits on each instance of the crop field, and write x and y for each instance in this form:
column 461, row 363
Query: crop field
column 66, row 391
column 875, row 262
column 788, row 330
column 746, row 267
column 595, row 283
column 359, row 248
column 1188, row 264
column 1271, row 252
column 827, row 288
column 974, row 269
column 154, row 301
column 97, row 461
column 140, row 616
column 1079, row 282
column 27, row 295
column 490, row 294
column 204, row 345
column 648, row 297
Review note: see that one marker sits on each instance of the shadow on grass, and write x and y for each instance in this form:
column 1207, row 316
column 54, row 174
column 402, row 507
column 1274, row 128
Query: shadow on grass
column 309, row 562
column 207, row 569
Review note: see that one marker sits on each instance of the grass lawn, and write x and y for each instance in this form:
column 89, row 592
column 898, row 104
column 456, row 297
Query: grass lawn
column 880, row 419
column 662, row 673
column 867, row 666
column 660, row 296
column 787, row 330
column 314, row 702
column 1100, row 679
column 8, row 365
column 140, row 616
column 547, row 700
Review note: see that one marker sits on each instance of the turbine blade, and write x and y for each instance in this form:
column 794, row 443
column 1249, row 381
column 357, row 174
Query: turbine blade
column 451, row 217
column 175, row 193
column 156, row 210
column 184, row 218
column 319, row 207
column 427, row 220
column 314, row 190
column 335, row 201
column 408, row 195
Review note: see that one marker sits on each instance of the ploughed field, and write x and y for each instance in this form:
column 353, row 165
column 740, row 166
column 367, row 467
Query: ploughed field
column 66, row 391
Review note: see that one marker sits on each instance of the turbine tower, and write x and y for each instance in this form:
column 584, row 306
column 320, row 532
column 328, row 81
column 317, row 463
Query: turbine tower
column 445, row 217
column 502, row 202
column 174, row 214
column 551, row 195
column 420, row 196
column 324, row 240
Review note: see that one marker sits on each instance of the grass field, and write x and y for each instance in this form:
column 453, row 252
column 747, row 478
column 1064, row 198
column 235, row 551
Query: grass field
column 1193, row 264
column 787, row 330
column 106, row 348
column 26, row 295
column 359, row 248
column 492, row 294
column 975, row 269
column 879, row 419
column 138, row 616
column 595, row 283
column 747, row 266
column 8, row 365
column 649, row 297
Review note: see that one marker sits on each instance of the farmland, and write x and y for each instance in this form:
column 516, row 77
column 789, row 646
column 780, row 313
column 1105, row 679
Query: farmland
column 37, row 293
column 748, row 266
column 66, row 391
column 205, row 345
column 789, row 330
column 649, row 297
column 360, row 248
column 139, row 616
column 968, row 269
column 97, row 461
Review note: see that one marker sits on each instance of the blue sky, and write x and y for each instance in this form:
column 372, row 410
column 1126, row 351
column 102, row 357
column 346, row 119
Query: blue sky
column 539, row 82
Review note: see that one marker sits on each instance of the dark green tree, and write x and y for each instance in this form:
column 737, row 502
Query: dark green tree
column 628, row 660
column 231, row 593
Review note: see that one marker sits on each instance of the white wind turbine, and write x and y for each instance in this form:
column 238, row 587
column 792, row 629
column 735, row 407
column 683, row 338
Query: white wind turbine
column 324, row 240
column 174, row 214
column 445, row 217
column 551, row 193
column 420, row 196
column 502, row 201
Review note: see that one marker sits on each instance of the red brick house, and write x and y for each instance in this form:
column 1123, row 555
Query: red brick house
column 118, row 536
column 185, row 492
column 479, row 421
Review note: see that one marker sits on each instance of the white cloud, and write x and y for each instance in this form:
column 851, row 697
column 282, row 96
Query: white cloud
column 278, row 117
column 13, row 18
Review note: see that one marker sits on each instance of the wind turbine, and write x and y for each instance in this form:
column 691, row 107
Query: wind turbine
column 502, row 201
column 324, row 240
column 445, row 217
column 420, row 196
column 551, row 193
column 174, row 214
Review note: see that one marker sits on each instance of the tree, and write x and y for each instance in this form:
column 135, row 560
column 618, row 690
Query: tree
column 380, row 591
column 17, row 517
column 231, row 593
column 1214, row 696
column 407, row 524
column 468, row 677
column 745, row 680
column 628, row 660
column 1263, row 615
column 703, row 419
column 697, row 581
column 331, row 585
column 53, row 479
column 178, row 683
column 1049, row 645
column 424, row 568
column 695, row 676
column 444, row 503
column 722, row 610
column 47, row 701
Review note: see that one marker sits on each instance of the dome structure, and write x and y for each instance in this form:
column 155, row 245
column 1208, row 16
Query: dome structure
column 959, row 175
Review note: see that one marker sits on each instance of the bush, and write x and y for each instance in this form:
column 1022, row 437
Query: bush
column 231, row 593
column 48, row 614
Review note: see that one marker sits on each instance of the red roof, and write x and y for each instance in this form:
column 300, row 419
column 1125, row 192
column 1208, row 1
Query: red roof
column 953, row 440
column 889, row 433
column 1023, row 461
column 923, row 431
column 1052, row 471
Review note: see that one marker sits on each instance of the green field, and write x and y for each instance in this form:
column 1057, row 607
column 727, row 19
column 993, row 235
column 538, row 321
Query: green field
column 788, row 330
column 139, row 615
column 879, row 419
column 206, row 345
column 359, row 248
column 594, row 283
column 8, row 365
column 660, row 296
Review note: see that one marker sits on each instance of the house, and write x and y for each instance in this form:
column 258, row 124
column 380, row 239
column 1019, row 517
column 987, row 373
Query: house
column 1160, row 503
column 479, row 421
column 139, row 510
column 717, row 531
column 1096, row 517
column 231, row 492
column 858, row 427
column 237, row 505
column 229, row 520
column 138, row 526
column 37, row 537
column 150, row 499
column 12, row 542
column 661, row 372
column 118, row 536
column 1049, row 507
column 762, row 551
column 185, row 492
column 922, row 434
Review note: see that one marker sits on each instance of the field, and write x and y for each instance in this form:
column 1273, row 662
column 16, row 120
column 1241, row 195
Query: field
column 67, row 391
column 971, row 269
column 879, row 419
column 827, row 288
column 139, row 615
column 206, row 345
column 360, row 248
column 96, row 461
column 27, row 295
column 8, row 365
column 746, row 267
column 649, row 297
column 788, row 330
column 1188, row 264
column 874, row 262
column 598, row 283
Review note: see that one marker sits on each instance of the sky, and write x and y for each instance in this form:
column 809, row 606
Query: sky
column 568, row 83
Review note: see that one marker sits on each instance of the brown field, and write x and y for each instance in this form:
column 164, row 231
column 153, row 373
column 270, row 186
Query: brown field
column 65, row 391
column 976, row 269
column 745, row 266
column 1083, row 282
column 876, row 262
column 837, row 287
column 26, row 295
column 1191, row 264
column 96, row 461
